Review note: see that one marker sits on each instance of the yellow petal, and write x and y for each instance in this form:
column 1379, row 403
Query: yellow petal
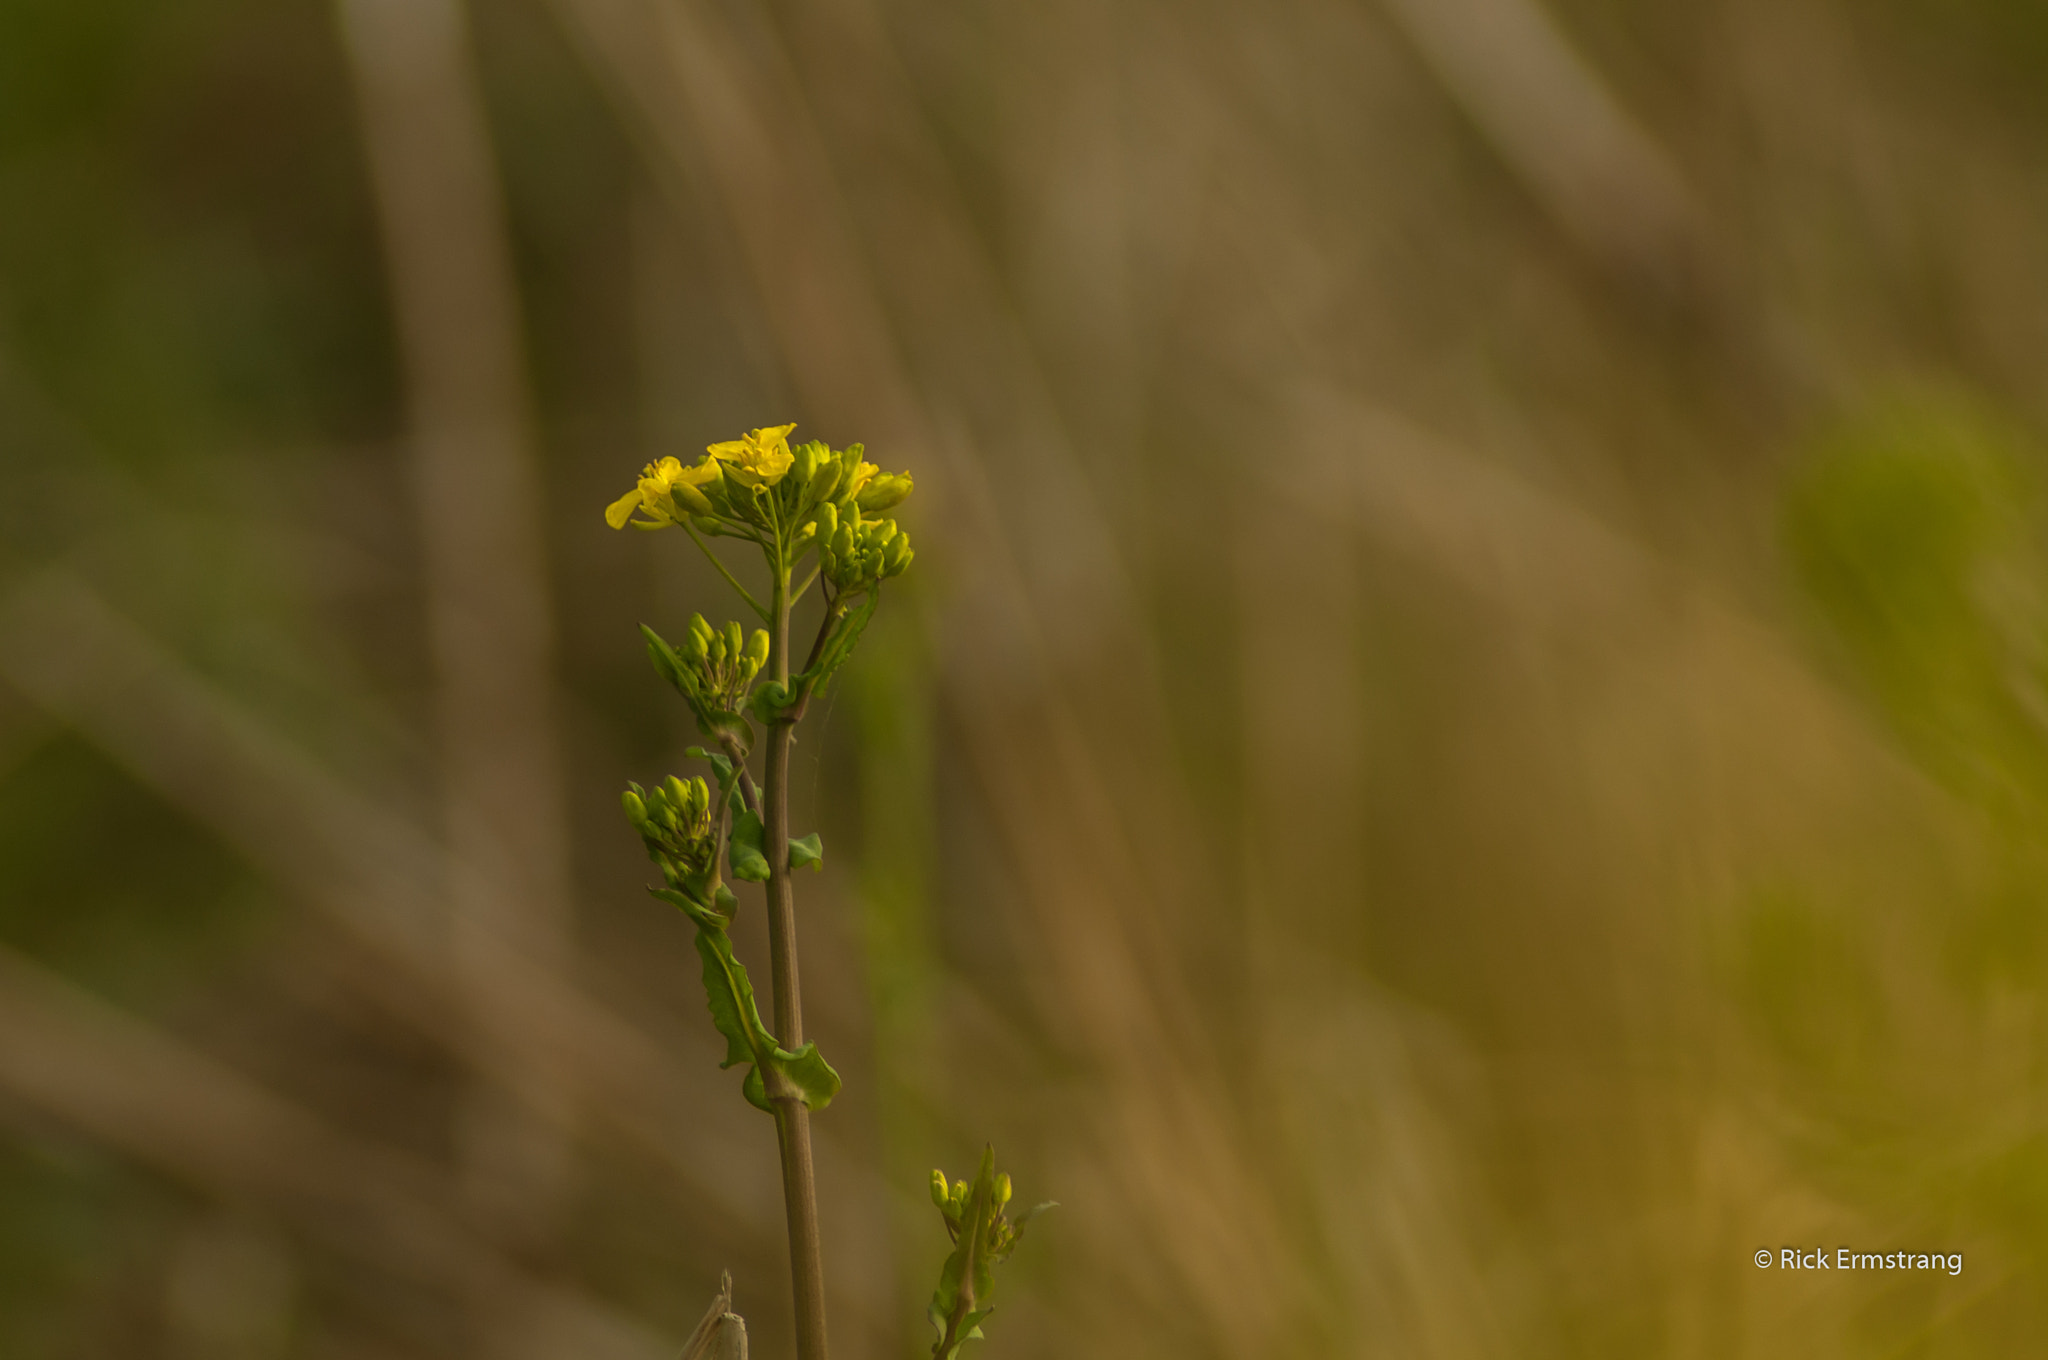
column 619, row 511
column 698, row 475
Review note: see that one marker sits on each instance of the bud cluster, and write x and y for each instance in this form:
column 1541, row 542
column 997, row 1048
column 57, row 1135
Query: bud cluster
column 674, row 822
column 955, row 1202
column 854, row 554
column 720, row 664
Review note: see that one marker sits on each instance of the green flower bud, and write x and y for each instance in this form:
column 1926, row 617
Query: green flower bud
column 756, row 655
column 804, row 461
column 735, row 639
column 827, row 521
column 939, row 1195
column 826, row 484
column 636, row 807
column 896, row 555
column 689, row 499
column 678, row 796
column 884, row 491
column 849, row 469
column 1003, row 1188
column 697, row 642
column 842, row 541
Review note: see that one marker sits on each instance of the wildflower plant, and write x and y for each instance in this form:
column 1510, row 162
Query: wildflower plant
column 817, row 515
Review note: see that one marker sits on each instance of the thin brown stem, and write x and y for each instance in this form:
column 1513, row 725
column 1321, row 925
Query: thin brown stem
column 792, row 1118
column 750, row 793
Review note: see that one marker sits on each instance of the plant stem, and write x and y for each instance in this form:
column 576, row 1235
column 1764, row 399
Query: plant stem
column 730, row 579
column 792, row 1118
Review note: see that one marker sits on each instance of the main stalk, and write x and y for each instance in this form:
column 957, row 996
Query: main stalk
column 792, row 1119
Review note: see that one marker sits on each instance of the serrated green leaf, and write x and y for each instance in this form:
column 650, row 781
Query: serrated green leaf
column 737, row 1016
column 749, row 862
column 731, row 997
column 807, row 852
column 839, row 646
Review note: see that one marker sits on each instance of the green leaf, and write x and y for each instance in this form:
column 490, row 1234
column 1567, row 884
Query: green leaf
column 749, row 862
column 756, row 1090
column 839, row 646
column 731, row 997
column 722, row 724
column 806, row 1070
column 718, row 763
column 691, row 899
column 970, row 1331
column 807, row 852
column 737, row 1016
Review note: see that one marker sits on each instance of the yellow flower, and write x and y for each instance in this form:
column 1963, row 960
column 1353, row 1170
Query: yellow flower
column 760, row 458
column 661, row 485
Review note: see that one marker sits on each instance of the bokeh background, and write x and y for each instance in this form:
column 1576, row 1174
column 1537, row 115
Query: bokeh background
column 1467, row 746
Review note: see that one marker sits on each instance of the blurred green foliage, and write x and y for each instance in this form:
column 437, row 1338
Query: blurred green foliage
column 1917, row 531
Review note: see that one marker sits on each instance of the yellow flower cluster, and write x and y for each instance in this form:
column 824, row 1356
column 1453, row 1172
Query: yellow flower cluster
column 761, row 488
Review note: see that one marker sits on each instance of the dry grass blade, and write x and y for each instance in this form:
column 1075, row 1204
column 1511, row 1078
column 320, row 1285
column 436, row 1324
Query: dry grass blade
column 722, row 1334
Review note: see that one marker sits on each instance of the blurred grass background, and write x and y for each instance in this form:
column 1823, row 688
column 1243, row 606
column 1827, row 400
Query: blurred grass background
column 1468, row 745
